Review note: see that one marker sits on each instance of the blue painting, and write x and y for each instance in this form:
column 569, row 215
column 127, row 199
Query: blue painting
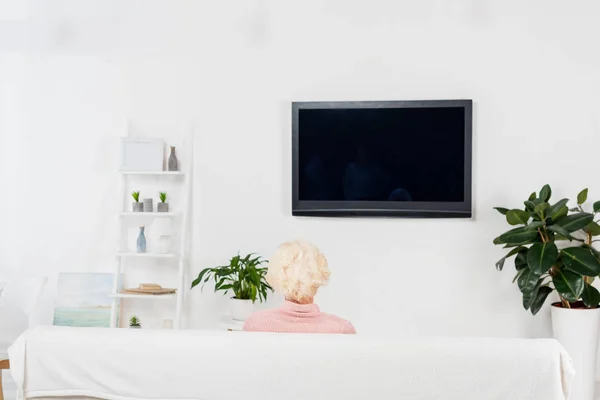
column 83, row 300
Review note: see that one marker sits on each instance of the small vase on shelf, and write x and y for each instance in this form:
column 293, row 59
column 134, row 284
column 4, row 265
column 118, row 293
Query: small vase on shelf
column 173, row 163
column 141, row 241
column 148, row 205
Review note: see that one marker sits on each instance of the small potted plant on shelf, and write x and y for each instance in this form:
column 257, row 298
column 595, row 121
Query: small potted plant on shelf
column 163, row 206
column 134, row 323
column 552, row 246
column 136, row 205
column 245, row 277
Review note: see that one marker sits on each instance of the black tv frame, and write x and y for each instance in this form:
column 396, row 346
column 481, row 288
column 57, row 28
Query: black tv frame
column 383, row 208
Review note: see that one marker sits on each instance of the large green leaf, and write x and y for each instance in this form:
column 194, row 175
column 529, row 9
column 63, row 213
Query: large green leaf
column 580, row 260
column 561, row 213
column 541, row 257
column 592, row 228
column 219, row 284
column 574, row 222
column 590, row 296
column 557, row 206
column 560, row 230
column 569, row 285
column 527, row 281
column 582, row 196
column 521, row 259
column 541, row 208
column 535, row 225
column 517, row 236
column 593, row 250
column 545, row 193
column 540, row 299
column 501, row 210
column 518, row 274
column 201, row 275
column 517, row 217
column 596, row 206
column 529, row 205
column 529, row 297
column 500, row 262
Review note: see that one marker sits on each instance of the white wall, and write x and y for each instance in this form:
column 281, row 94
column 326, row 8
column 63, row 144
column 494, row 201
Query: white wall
column 71, row 73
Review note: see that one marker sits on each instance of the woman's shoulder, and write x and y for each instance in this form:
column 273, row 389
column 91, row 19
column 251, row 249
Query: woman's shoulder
column 258, row 319
column 343, row 325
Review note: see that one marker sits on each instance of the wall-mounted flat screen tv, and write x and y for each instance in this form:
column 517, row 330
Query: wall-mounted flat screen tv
column 382, row 158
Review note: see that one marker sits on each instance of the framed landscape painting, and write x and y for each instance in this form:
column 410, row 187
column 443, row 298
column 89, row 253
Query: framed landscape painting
column 83, row 299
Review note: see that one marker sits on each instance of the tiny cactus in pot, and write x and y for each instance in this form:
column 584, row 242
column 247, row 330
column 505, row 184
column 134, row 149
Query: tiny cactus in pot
column 134, row 322
column 163, row 206
column 136, row 206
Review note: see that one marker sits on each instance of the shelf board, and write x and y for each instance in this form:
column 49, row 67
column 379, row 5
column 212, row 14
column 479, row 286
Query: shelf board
column 146, row 255
column 149, row 214
column 143, row 296
column 151, row 172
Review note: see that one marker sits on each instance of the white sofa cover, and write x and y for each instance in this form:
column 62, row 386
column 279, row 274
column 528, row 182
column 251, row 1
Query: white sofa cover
column 125, row 364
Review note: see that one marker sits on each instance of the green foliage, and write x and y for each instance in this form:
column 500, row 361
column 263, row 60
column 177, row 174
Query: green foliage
column 243, row 276
column 136, row 196
column 162, row 196
column 582, row 197
column 541, row 265
column 134, row 321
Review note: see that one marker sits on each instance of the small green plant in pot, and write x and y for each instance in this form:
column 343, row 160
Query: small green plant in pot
column 162, row 206
column 134, row 322
column 245, row 277
column 552, row 246
column 136, row 206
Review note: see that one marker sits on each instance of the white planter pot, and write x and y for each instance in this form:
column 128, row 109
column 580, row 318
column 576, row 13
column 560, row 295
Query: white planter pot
column 577, row 330
column 241, row 310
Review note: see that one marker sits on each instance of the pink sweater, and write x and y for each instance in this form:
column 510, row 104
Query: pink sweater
column 297, row 318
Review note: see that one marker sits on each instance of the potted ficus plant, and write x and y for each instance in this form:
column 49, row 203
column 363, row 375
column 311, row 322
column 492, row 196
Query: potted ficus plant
column 553, row 249
column 136, row 206
column 245, row 277
column 163, row 206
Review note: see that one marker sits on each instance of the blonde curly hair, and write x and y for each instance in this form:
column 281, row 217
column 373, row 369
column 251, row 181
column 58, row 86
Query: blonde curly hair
column 298, row 269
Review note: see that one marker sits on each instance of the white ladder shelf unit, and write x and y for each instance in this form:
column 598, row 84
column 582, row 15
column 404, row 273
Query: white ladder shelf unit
column 117, row 297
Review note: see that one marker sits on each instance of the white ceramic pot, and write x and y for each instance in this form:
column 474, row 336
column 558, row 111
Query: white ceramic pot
column 241, row 310
column 577, row 330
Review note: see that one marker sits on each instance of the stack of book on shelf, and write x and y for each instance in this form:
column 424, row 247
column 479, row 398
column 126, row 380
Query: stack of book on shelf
column 150, row 288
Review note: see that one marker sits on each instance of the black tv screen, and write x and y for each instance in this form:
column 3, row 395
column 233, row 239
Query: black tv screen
column 394, row 158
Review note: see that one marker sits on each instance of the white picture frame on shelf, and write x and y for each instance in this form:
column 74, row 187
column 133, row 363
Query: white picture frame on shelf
column 142, row 154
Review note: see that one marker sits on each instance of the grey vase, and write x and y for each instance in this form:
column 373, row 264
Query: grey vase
column 148, row 205
column 162, row 207
column 137, row 207
column 173, row 163
column 141, row 241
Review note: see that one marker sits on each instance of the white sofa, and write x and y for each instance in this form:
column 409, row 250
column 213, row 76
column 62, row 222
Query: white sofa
column 124, row 364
